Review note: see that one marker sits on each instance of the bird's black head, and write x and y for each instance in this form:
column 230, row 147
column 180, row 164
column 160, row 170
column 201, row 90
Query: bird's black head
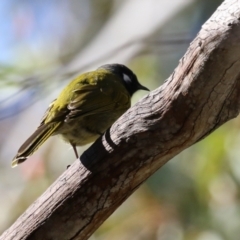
column 129, row 79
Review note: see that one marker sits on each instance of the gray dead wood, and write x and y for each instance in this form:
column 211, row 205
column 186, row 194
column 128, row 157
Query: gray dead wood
column 201, row 94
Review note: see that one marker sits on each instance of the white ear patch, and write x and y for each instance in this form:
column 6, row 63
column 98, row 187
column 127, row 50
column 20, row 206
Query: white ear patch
column 126, row 78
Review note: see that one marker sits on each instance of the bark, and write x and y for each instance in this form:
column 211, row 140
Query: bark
column 201, row 94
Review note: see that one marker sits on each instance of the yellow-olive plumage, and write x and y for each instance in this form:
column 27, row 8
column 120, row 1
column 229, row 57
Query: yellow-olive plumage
column 85, row 108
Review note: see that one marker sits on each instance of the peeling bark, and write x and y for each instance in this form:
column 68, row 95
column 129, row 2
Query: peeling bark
column 200, row 95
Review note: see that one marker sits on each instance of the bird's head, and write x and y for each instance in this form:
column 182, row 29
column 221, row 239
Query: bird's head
column 129, row 79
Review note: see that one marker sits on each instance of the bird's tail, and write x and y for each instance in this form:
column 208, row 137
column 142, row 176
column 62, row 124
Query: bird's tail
column 42, row 133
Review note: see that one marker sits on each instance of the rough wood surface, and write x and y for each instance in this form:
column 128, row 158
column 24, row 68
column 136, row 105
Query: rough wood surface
column 201, row 94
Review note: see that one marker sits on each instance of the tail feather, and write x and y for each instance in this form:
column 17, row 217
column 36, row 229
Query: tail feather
column 34, row 142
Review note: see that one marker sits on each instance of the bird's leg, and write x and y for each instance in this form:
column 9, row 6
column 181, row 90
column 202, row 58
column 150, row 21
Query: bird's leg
column 75, row 149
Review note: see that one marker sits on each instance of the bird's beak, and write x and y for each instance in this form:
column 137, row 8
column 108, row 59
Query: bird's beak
column 143, row 88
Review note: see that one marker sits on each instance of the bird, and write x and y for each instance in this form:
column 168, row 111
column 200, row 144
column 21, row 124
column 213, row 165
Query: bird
column 85, row 108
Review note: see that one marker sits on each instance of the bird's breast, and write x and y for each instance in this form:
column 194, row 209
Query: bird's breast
column 81, row 131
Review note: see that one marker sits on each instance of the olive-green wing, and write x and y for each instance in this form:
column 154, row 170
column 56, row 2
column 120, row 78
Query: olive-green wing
column 103, row 97
column 47, row 112
column 90, row 94
column 54, row 115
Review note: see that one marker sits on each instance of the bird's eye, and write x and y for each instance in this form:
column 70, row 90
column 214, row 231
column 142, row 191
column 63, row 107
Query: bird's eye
column 126, row 78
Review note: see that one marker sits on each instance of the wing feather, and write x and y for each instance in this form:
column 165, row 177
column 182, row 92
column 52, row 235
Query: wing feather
column 99, row 98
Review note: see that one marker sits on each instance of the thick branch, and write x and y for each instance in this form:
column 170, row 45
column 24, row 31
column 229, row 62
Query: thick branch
column 201, row 95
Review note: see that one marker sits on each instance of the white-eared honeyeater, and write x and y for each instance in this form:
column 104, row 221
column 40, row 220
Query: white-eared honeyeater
column 85, row 108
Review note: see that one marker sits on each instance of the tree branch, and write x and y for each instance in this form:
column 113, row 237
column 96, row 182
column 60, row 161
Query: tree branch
column 201, row 94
